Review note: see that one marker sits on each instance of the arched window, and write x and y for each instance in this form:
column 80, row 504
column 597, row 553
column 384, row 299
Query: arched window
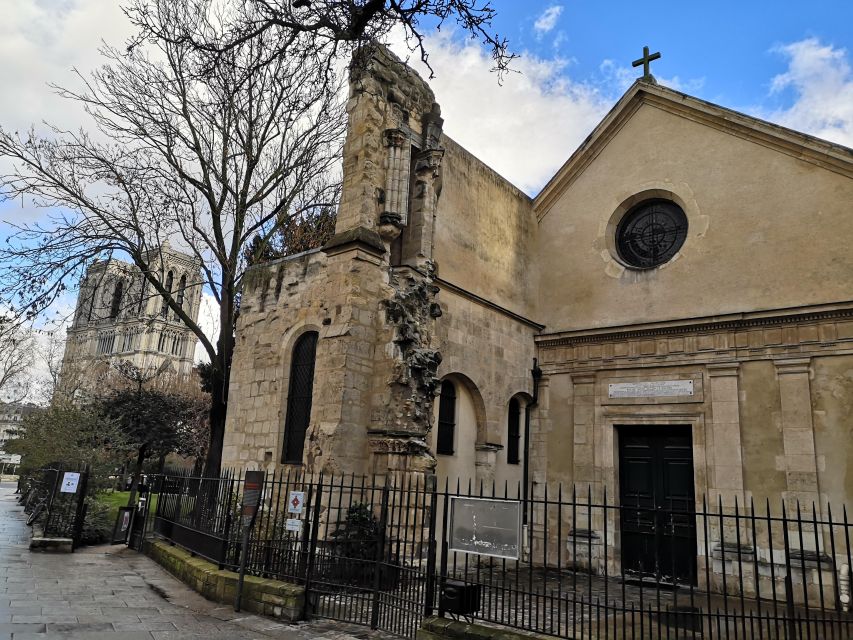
column 181, row 286
column 446, row 419
column 299, row 395
column 513, row 438
column 170, row 280
column 116, row 304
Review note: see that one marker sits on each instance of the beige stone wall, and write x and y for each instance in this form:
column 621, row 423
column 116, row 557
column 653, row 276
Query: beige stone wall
column 761, row 415
column 769, row 414
column 764, row 227
column 490, row 352
column 280, row 302
column 485, row 232
column 832, row 396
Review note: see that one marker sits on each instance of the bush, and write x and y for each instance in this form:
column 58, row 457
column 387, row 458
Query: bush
column 354, row 548
column 98, row 523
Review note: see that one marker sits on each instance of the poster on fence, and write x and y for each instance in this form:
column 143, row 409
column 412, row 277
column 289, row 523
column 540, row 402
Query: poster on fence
column 69, row 482
column 295, row 501
column 485, row 526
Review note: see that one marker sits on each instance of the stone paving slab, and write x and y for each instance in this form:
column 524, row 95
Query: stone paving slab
column 113, row 593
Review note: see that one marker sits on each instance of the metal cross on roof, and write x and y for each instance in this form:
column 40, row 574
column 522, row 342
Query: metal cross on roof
column 645, row 60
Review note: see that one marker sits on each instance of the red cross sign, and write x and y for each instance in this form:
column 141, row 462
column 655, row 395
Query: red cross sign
column 296, row 501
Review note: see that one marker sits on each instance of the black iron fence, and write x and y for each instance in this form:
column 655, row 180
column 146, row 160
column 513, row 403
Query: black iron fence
column 385, row 551
column 359, row 544
column 55, row 499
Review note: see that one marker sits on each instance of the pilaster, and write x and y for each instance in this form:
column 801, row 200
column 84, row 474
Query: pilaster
column 799, row 460
column 584, row 429
column 724, row 445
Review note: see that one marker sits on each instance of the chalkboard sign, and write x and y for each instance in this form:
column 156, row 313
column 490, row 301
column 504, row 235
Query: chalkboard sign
column 486, row 526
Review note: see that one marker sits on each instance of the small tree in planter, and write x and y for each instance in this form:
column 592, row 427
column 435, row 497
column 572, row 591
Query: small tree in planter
column 354, row 548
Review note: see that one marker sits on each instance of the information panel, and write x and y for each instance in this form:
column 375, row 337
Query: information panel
column 252, row 487
column 486, row 526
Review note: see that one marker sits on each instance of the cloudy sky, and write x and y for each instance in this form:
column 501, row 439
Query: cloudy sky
column 784, row 61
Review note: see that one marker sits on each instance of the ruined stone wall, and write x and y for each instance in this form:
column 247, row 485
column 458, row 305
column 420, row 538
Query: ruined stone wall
column 386, row 321
column 280, row 301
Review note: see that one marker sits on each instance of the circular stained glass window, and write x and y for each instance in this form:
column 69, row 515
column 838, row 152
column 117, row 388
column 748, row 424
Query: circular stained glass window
column 651, row 233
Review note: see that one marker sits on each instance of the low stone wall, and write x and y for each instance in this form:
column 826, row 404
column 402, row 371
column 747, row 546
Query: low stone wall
column 267, row 597
column 447, row 629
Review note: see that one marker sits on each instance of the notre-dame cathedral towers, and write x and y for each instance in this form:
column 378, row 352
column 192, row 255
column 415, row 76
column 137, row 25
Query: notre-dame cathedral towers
column 119, row 317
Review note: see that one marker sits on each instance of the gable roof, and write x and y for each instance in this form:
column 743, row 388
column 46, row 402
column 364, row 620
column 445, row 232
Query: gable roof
column 831, row 156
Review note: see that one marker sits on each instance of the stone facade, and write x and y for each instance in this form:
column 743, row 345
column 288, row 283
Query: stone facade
column 384, row 311
column 440, row 270
column 120, row 318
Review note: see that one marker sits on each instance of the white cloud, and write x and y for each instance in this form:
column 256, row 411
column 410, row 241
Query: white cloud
column 40, row 42
column 525, row 128
column 620, row 77
column 821, row 79
column 548, row 20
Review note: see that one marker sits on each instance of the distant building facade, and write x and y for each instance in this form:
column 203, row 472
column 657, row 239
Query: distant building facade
column 120, row 317
column 12, row 414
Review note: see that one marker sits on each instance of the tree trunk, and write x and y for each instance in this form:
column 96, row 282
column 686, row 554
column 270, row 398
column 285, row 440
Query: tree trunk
column 137, row 472
column 220, row 376
column 218, row 408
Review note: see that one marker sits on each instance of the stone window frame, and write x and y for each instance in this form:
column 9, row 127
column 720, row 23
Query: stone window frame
column 518, row 437
column 447, row 424
column 288, row 342
column 696, row 223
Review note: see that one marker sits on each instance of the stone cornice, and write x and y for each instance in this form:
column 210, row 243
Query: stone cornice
column 696, row 325
column 782, row 336
column 449, row 286
column 357, row 238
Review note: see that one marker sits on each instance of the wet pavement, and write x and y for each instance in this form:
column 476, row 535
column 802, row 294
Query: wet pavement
column 111, row 592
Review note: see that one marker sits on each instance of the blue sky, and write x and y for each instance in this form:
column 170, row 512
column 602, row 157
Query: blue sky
column 786, row 62
column 731, row 47
column 789, row 62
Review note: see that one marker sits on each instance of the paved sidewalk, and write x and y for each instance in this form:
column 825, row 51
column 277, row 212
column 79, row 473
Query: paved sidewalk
column 112, row 593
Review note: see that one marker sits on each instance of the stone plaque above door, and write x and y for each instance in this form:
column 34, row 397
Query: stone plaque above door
column 650, row 387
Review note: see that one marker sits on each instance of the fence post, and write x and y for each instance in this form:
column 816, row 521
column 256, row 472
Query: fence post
column 380, row 557
column 312, row 548
column 432, row 487
column 305, row 537
column 80, row 512
column 793, row 622
column 444, row 551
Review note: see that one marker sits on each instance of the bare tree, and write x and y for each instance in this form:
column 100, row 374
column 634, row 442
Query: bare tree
column 16, row 361
column 205, row 160
column 323, row 29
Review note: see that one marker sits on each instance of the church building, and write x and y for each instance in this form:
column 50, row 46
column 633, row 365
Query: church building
column 673, row 310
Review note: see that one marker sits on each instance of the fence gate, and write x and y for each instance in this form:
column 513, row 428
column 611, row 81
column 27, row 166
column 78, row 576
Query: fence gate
column 373, row 552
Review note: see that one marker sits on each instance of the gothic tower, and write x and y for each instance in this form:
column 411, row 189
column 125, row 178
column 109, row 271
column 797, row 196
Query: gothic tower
column 119, row 317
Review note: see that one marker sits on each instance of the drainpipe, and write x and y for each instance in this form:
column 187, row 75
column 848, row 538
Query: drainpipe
column 536, row 373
